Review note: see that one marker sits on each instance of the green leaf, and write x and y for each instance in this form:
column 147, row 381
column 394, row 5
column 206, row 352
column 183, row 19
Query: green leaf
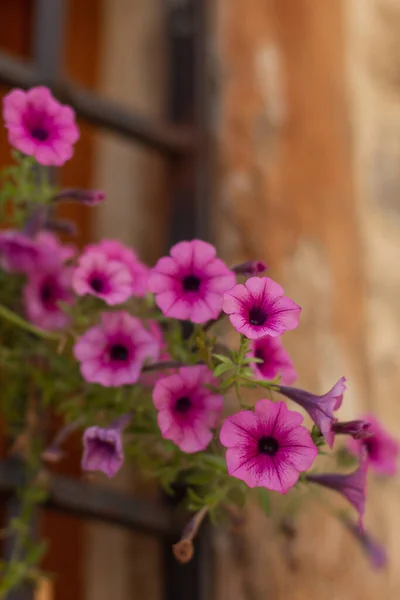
column 222, row 368
column 222, row 358
column 263, row 496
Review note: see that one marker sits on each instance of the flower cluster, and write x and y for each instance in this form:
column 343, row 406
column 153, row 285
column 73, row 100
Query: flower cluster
column 131, row 352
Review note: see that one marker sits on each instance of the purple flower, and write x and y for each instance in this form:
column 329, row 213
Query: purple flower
column 96, row 275
column 320, row 408
column 88, row 197
column 375, row 552
column 18, row 252
column 102, row 447
column 351, row 486
column 358, row 430
column 43, row 293
column 113, row 353
column 116, row 252
column 268, row 447
column 276, row 361
column 382, row 449
column 259, row 308
column 251, row 267
column 187, row 410
column 190, row 282
column 40, row 126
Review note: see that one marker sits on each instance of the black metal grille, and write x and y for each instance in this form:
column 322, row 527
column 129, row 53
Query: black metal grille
column 183, row 140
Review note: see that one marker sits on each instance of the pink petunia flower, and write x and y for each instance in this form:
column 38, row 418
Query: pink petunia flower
column 113, row 353
column 351, row 486
column 18, row 252
column 268, row 447
column 52, row 252
column 43, row 293
column 117, row 252
column 103, row 449
column 187, row 410
column 382, row 449
column 96, row 275
column 259, row 308
column 320, row 408
column 190, row 282
column 276, row 361
column 40, row 126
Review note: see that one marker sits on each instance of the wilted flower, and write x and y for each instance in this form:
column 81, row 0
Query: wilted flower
column 351, row 486
column 251, row 267
column 190, row 282
column 103, row 449
column 320, row 408
column 268, row 447
column 275, row 360
column 113, row 353
column 96, row 275
column 88, row 197
column 259, row 308
column 40, row 126
column 187, row 410
column 382, row 449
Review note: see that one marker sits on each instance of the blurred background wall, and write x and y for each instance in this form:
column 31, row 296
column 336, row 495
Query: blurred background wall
column 306, row 129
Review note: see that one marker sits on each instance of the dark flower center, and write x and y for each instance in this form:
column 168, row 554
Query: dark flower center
column 257, row 316
column 259, row 354
column 46, row 293
column 370, row 444
column 39, row 133
column 97, row 284
column 119, row 352
column 183, row 404
column 103, row 446
column 268, row 445
column 191, row 283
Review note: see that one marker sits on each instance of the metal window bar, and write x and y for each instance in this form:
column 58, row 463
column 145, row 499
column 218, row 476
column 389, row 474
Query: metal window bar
column 183, row 140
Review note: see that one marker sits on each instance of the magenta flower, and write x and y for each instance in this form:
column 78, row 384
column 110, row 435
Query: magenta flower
column 43, row 293
column 99, row 276
column 359, row 430
column 114, row 251
column 276, row 361
column 40, row 126
column 351, row 486
column 382, row 449
column 259, row 308
column 113, row 353
column 18, row 252
column 374, row 550
column 252, row 267
column 320, row 408
column 52, row 253
column 103, row 449
column 268, row 447
column 190, row 282
column 187, row 410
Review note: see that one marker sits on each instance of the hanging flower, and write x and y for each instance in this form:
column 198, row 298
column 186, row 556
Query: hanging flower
column 275, row 360
column 187, row 410
column 113, row 353
column 351, row 486
column 18, row 252
column 190, row 282
column 40, row 126
column 96, row 275
column 251, row 267
column 114, row 251
column 382, row 449
column 320, row 408
column 103, row 449
column 43, row 293
column 259, row 308
column 268, row 447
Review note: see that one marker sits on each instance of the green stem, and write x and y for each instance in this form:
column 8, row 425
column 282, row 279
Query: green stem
column 12, row 317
